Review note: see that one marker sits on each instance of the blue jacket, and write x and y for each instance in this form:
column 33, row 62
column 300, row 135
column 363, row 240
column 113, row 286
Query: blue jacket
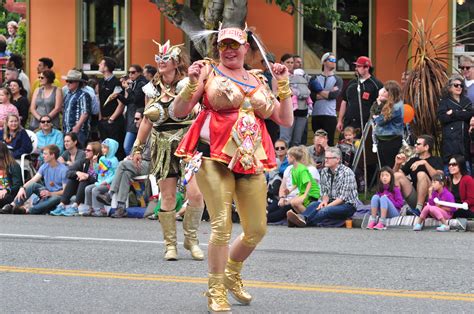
column 107, row 164
column 54, row 137
column 392, row 127
column 19, row 145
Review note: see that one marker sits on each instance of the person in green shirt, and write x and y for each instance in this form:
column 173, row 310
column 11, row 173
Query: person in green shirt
column 302, row 180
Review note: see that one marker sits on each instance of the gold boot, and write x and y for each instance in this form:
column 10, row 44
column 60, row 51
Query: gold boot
column 192, row 219
column 233, row 282
column 217, row 294
column 168, row 224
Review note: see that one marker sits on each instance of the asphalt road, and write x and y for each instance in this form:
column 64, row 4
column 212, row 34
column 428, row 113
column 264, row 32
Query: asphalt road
column 60, row 265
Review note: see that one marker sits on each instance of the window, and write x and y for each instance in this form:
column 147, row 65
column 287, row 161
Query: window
column 347, row 47
column 463, row 13
column 104, row 29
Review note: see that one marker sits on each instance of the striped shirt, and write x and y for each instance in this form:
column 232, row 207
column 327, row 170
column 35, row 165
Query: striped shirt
column 340, row 184
column 75, row 105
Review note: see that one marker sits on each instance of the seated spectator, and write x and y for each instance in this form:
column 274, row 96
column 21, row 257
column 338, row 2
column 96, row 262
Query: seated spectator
column 105, row 168
column 49, row 194
column 6, row 107
column 387, row 202
column 455, row 112
column 282, row 161
column 126, row 171
column 320, row 144
column 420, row 168
column 10, row 178
column 338, row 194
column 46, row 100
column 47, row 135
column 302, row 180
column 15, row 137
column 437, row 190
column 80, row 175
column 461, row 185
column 16, row 61
column 71, row 153
column 19, row 100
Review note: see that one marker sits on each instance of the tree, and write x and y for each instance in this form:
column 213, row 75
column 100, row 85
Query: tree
column 234, row 13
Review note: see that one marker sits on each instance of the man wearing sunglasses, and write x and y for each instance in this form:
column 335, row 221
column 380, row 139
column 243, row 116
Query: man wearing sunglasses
column 466, row 66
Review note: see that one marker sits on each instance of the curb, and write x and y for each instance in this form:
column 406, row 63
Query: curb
column 357, row 223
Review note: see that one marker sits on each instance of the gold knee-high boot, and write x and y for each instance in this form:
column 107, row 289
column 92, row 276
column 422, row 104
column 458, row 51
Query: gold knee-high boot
column 233, row 282
column 217, row 294
column 168, row 224
column 191, row 222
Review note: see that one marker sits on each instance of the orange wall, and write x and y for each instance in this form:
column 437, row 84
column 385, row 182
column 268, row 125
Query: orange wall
column 52, row 33
column 389, row 38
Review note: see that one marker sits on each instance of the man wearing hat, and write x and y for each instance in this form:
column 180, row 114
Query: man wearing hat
column 368, row 85
column 77, row 107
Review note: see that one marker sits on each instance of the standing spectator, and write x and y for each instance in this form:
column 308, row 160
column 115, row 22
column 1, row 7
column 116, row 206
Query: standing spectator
column 338, row 194
column 16, row 61
column 455, row 112
column 43, row 65
column 461, row 185
column 54, row 176
column 15, row 137
column 389, row 125
column 12, row 29
column 10, row 178
column 11, row 74
column 324, row 107
column 466, row 65
column 19, row 100
column 6, row 106
column 77, row 107
column 46, row 100
column 299, row 88
column 149, row 72
column 133, row 99
column 320, row 144
column 71, row 153
column 369, row 85
column 111, row 121
column 47, row 135
column 420, row 169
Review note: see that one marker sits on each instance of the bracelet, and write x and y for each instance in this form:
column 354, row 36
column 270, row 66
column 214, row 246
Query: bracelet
column 138, row 147
column 284, row 90
column 188, row 90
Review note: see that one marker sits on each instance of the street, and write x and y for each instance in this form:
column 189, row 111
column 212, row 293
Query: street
column 57, row 264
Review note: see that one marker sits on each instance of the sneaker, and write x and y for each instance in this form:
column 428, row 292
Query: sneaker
column 71, row 211
column 99, row 213
column 443, row 228
column 380, row 226
column 58, row 211
column 371, row 224
column 297, row 219
column 417, row 227
column 104, row 198
column 7, row 209
column 414, row 212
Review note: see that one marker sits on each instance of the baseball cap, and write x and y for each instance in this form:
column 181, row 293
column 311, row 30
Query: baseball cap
column 363, row 61
column 233, row 33
column 321, row 132
column 325, row 56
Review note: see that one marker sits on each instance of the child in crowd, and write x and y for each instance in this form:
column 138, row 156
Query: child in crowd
column 301, row 179
column 6, row 107
column 105, row 170
column 295, row 97
column 347, row 146
column 438, row 190
column 387, row 202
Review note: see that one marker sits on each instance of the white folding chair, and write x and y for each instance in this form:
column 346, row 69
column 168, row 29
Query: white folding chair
column 26, row 164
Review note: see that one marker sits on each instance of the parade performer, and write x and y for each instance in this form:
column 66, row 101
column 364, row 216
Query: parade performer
column 236, row 148
column 166, row 132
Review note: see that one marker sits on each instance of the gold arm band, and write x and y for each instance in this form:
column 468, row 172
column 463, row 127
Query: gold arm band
column 138, row 147
column 187, row 92
column 284, row 90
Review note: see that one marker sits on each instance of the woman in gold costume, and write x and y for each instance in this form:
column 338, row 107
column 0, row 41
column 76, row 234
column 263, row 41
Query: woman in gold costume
column 166, row 132
column 230, row 133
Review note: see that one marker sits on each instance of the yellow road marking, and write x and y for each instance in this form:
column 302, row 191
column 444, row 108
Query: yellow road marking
column 434, row 295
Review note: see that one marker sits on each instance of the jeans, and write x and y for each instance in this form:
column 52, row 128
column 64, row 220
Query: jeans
column 293, row 135
column 314, row 216
column 91, row 195
column 384, row 202
column 82, row 138
column 45, row 205
column 128, row 142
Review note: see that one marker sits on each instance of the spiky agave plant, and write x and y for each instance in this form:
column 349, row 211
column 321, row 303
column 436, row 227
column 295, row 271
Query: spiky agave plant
column 428, row 66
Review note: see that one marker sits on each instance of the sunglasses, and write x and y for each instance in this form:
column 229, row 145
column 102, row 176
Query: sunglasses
column 161, row 58
column 40, row 77
column 232, row 45
column 133, row 72
column 464, row 68
column 452, row 164
column 331, row 59
column 45, row 121
column 280, row 148
column 136, row 119
column 71, row 82
column 457, row 85
column 418, row 144
column 88, row 150
column 327, row 158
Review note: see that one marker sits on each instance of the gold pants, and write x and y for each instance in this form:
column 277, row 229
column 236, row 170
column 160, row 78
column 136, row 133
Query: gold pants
column 219, row 187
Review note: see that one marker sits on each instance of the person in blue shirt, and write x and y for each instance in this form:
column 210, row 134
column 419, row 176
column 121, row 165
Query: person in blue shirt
column 48, row 135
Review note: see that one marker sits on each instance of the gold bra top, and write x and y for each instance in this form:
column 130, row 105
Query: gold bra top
column 225, row 94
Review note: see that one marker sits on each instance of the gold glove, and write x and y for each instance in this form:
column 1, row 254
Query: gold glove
column 187, row 92
column 138, row 147
column 284, row 90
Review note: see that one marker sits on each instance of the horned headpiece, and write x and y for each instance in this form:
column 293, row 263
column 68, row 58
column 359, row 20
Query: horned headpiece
column 166, row 51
